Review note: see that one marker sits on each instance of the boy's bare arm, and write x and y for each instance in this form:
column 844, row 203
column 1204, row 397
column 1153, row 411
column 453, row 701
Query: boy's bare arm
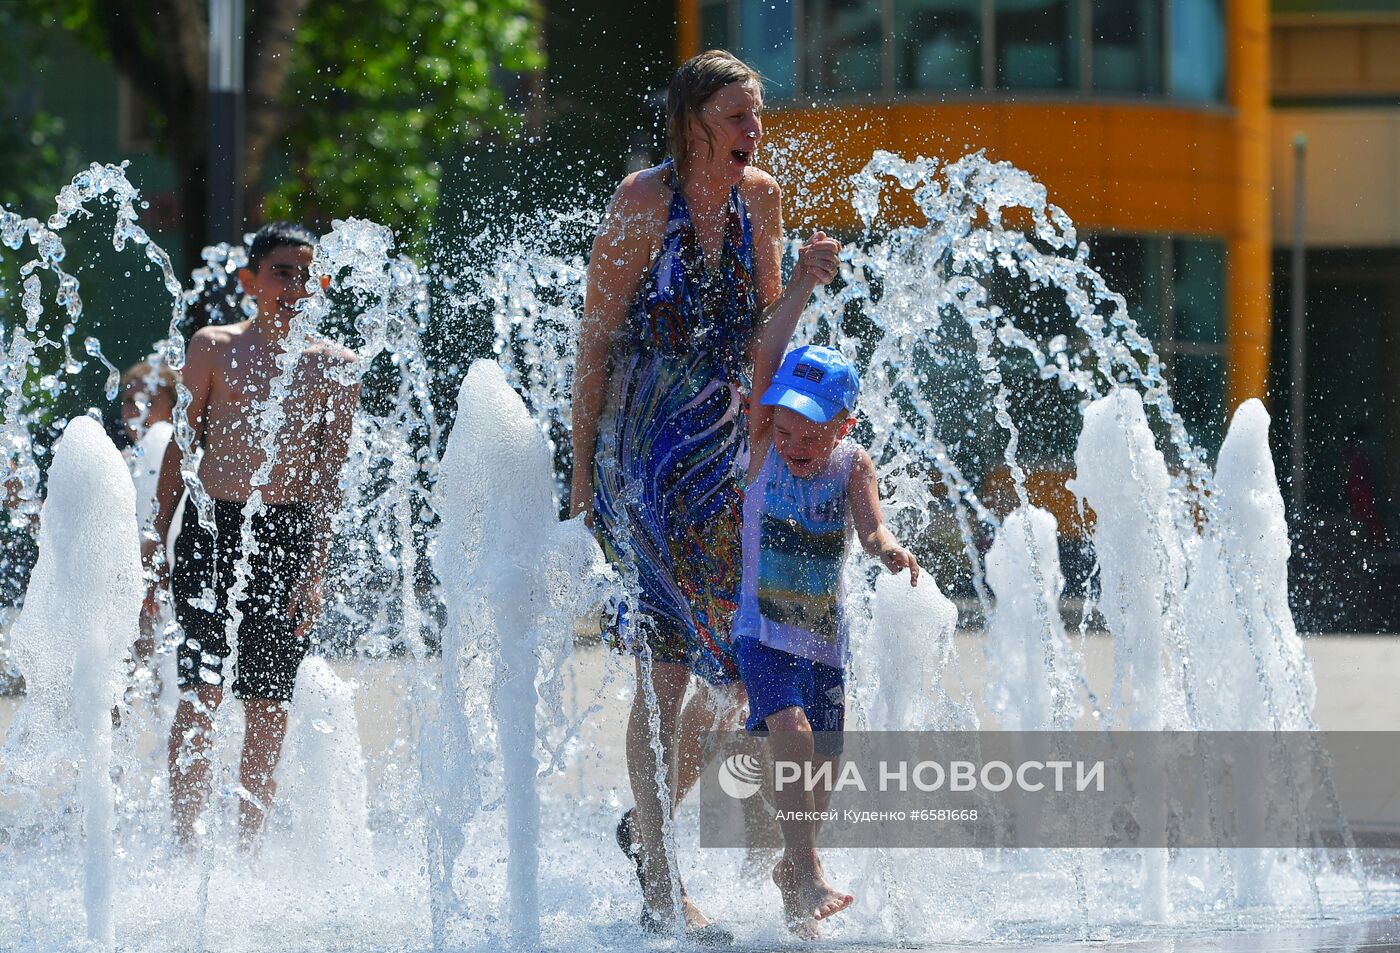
column 875, row 537
column 342, row 402
column 779, row 307
column 333, row 448
column 760, row 415
column 198, row 377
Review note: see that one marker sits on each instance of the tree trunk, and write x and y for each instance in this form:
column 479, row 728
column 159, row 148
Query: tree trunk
column 189, row 173
column 172, row 77
column 271, row 37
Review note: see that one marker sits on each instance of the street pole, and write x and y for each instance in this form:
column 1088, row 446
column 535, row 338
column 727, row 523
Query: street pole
column 224, row 164
column 1298, row 328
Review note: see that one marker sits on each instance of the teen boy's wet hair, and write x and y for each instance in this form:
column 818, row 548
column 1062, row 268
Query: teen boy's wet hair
column 277, row 235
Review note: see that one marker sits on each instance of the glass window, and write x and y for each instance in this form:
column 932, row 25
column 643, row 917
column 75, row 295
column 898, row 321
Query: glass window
column 1132, row 266
column 766, row 43
column 938, row 44
column 1198, row 50
column 844, row 42
column 1198, row 390
column 1127, row 46
column 1198, row 291
column 1037, row 44
column 714, row 26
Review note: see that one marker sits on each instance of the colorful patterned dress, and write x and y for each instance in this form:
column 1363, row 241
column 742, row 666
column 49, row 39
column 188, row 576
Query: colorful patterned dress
column 672, row 444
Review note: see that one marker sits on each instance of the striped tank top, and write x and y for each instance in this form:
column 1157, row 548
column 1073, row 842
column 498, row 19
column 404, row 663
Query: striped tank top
column 795, row 538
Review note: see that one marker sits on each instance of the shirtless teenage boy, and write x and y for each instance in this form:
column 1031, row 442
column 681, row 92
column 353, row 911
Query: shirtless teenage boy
column 228, row 370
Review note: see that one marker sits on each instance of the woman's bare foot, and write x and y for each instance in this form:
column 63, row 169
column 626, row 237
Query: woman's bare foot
column 694, row 919
column 807, row 897
column 698, row 928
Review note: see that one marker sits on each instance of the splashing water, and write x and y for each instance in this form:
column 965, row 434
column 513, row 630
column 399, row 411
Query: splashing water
column 474, row 746
column 68, row 649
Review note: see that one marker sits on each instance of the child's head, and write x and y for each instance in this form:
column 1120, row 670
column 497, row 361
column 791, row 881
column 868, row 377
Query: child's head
column 813, row 397
column 148, row 397
column 279, row 265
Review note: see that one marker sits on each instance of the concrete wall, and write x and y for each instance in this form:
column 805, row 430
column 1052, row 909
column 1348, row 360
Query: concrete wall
column 1352, row 175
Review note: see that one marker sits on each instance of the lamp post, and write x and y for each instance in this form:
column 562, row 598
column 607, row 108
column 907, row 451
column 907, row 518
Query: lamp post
column 224, row 163
column 1298, row 329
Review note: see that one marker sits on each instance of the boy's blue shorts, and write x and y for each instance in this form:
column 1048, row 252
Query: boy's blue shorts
column 776, row 680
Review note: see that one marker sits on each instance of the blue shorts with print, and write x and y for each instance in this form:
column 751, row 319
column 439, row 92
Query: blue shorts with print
column 776, row 680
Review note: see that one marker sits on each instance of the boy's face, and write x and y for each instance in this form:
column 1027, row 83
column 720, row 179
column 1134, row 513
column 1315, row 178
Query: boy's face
column 279, row 282
column 805, row 445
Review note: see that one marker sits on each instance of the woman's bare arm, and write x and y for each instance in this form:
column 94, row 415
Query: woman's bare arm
column 621, row 253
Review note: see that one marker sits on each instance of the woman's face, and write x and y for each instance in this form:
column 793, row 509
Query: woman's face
column 732, row 119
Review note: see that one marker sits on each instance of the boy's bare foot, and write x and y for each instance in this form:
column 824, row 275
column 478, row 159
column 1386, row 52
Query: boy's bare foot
column 807, row 898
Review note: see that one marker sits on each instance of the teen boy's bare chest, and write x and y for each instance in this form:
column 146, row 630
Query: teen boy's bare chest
column 245, row 385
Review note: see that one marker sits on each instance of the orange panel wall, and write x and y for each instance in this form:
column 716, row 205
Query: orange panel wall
column 1137, row 168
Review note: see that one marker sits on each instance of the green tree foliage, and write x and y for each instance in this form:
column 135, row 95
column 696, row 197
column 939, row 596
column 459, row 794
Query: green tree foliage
column 33, row 161
column 351, row 107
column 385, row 92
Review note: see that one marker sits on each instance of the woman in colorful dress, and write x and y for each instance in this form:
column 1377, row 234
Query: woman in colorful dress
column 684, row 294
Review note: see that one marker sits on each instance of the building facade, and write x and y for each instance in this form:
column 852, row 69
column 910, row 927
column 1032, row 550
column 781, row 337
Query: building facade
column 1165, row 129
column 1335, row 87
column 1147, row 120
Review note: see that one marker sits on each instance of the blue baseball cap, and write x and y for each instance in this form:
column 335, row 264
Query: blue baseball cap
column 815, row 381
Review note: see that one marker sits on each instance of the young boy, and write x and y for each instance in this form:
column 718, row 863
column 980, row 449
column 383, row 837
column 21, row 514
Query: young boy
column 229, row 370
column 808, row 483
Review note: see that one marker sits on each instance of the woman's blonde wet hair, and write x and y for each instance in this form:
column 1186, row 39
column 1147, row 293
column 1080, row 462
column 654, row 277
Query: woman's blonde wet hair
column 699, row 78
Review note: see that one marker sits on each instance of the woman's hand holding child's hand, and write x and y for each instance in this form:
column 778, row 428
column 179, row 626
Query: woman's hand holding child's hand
column 819, row 260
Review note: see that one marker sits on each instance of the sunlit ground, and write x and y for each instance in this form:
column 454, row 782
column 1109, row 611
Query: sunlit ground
column 298, row 894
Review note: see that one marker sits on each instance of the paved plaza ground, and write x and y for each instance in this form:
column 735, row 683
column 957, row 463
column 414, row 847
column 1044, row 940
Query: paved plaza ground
column 1353, row 673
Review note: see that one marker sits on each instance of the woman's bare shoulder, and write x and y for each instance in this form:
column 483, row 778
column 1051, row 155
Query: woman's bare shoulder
column 760, row 189
column 643, row 192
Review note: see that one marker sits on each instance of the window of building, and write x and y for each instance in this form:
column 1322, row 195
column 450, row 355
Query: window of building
column 1037, row 44
column 844, row 40
column 938, row 44
column 814, row 48
column 714, row 25
column 1198, row 50
column 767, row 43
column 1127, row 46
column 1198, row 393
column 1198, row 288
column 1132, row 266
column 1175, row 290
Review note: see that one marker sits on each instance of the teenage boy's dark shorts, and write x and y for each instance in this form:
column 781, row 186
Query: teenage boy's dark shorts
column 775, row 680
column 268, row 650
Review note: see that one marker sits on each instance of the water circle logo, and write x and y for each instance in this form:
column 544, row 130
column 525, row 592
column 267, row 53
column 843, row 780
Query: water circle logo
column 740, row 776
